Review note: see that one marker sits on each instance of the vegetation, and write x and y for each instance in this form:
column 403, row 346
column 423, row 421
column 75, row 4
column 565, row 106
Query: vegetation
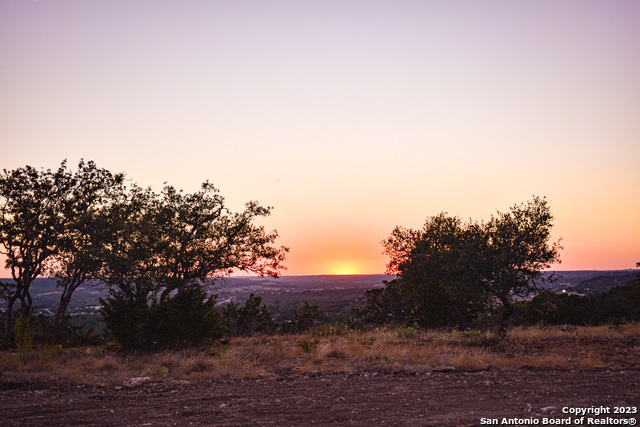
column 252, row 318
column 166, row 248
column 47, row 223
column 156, row 252
column 379, row 350
column 450, row 272
column 159, row 254
column 620, row 304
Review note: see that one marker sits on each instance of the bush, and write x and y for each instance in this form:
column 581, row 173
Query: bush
column 303, row 319
column 24, row 338
column 251, row 319
column 186, row 319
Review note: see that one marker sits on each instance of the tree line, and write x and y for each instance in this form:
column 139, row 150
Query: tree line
column 157, row 252
column 451, row 272
column 160, row 253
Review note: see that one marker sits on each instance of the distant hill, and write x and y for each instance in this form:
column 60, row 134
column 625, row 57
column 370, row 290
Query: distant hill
column 46, row 295
column 591, row 282
column 336, row 294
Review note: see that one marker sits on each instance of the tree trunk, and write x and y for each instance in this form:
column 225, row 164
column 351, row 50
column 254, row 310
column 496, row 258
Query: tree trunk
column 25, row 304
column 59, row 319
column 8, row 326
column 506, row 315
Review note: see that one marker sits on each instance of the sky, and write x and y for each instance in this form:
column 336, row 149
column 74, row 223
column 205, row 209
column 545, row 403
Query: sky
column 349, row 118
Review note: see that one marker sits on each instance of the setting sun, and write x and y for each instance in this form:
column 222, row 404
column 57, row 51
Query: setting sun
column 344, row 268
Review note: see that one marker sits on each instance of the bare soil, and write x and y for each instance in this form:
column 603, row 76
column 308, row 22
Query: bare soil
column 366, row 398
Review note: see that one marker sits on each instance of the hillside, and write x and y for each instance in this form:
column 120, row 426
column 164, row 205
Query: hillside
column 335, row 294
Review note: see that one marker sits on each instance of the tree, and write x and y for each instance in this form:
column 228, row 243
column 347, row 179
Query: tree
column 434, row 278
column 82, row 245
column 31, row 206
column 620, row 303
column 167, row 245
column 43, row 213
column 451, row 271
column 304, row 318
column 249, row 319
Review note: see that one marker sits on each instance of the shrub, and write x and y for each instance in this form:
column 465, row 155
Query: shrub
column 309, row 346
column 24, row 338
column 186, row 319
column 250, row 319
column 303, row 319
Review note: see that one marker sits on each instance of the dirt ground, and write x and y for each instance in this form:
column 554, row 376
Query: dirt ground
column 368, row 398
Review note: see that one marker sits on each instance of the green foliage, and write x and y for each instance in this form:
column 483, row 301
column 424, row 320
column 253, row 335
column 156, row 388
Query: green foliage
column 557, row 309
column 165, row 249
column 164, row 371
column 127, row 317
column 449, row 272
column 44, row 217
column 220, row 347
column 250, row 319
column 618, row 305
column 327, row 329
column 24, row 338
column 303, row 319
column 621, row 302
column 186, row 319
column 309, row 346
column 408, row 333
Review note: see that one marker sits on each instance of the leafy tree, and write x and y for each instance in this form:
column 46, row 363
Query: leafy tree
column 304, row 318
column 249, row 319
column 32, row 206
column 620, row 303
column 513, row 252
column 390, row 304
column 82, row 245
column 557, row 309
column 165, row 245
column 201, row 238
column 450, row 271
column 434, row 278
column 45, row 222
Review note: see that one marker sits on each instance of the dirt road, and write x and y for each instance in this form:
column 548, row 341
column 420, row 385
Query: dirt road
column 367, row 398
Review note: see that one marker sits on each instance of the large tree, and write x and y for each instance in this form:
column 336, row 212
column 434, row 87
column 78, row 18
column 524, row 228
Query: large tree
column 434, row 280
column 514, row 250
column 41, row 213
column 83, row 244
column 169, row 246
column 450, row 271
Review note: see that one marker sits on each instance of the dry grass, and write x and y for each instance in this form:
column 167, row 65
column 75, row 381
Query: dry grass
column 382, row 350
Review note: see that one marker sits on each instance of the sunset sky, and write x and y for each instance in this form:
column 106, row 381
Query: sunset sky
column 348, row 117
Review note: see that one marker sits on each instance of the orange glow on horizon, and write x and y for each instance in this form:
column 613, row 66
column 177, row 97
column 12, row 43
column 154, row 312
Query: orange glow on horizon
column 344, row 268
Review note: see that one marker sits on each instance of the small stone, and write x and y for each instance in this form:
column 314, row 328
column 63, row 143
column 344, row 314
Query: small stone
column 444, row 368
column 135, row 382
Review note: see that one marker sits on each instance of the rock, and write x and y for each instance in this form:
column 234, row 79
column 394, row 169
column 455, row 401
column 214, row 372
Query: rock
column 135, row 382
column 444, row 368
column 549, row 410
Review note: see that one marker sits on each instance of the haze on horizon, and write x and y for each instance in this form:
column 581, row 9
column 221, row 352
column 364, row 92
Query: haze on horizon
column 348, row 117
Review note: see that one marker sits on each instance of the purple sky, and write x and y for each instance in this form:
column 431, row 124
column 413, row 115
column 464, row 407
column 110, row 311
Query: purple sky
column 349, row 117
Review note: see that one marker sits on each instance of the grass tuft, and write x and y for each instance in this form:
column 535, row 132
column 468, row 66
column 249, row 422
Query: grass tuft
column 384, row 350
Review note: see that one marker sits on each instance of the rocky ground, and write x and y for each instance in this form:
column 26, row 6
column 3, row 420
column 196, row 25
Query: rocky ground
column 446, row 398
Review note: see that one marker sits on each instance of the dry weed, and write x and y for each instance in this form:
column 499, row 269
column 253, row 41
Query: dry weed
column 393, row 349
